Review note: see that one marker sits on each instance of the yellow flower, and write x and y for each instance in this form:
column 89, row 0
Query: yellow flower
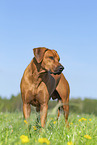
column 43, row 140
column 87, row 136
column 69, row 143
column 24, row 139
column 25, row 122
column 82, row 119
column 54, row 122
column 34, row 128
column 71, row 123
column 90, row 119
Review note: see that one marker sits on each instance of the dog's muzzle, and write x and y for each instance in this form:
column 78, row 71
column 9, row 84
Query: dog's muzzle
column 58, row 70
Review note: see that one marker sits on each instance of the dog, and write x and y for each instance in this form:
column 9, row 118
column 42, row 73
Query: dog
column 42, row 80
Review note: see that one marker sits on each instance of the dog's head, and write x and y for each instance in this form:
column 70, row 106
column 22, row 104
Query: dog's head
column 49, row 60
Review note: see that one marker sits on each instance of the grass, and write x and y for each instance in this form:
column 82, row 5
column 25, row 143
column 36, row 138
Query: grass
column 12, row 127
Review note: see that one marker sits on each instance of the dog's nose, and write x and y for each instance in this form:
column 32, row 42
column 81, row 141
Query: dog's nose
column 61, row 68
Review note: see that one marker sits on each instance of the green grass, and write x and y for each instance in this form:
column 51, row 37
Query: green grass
column 12, row 126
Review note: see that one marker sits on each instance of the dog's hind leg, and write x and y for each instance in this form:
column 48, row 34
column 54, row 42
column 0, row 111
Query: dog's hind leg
column 54, row 96
column 66, row 110
column 38, row 115
column 64, row 90
column 59, row 101
column 26, row 110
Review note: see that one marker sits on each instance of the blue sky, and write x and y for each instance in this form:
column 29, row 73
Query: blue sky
column 70, row 27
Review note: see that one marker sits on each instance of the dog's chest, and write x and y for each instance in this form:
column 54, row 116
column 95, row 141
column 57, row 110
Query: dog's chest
column 50, row 83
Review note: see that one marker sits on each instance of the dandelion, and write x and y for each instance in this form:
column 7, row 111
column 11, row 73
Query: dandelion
column 25, row 122
column 90, row 119
column 87, row 136
column 24, row 139
column 69, row 143
column 82, row 119
column 43, row 140
column 54, row 122
column 34, row 128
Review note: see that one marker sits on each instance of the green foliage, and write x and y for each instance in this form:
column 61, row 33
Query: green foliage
column 87, row 106
column 12, row 104
column 90, row 106
column 12, row 127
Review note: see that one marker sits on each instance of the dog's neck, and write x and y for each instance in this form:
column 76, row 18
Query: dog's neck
column 40, row 70
column 38, row 65
column 37, row 72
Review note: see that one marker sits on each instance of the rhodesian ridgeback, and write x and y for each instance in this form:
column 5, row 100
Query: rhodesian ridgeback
column 43, row 79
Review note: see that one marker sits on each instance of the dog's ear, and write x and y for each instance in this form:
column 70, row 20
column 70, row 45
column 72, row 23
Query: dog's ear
column 56, row 54
column 39, row 53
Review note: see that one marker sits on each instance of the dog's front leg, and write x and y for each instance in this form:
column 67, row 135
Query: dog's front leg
column 26, row 110
column 43, row 114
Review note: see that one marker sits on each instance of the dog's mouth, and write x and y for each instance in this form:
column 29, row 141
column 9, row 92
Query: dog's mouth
column 42, row 71
column 58, row 70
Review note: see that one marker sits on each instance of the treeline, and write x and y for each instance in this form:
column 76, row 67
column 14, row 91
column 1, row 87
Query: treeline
column 12, row 104
column 88, row 106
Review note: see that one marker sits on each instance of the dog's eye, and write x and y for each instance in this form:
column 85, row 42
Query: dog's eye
column 51, row 57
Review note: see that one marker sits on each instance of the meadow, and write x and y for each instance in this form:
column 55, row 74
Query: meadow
column 14, row 130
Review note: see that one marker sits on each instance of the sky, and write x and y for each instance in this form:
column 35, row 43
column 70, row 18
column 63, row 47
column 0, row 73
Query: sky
column 69, row 27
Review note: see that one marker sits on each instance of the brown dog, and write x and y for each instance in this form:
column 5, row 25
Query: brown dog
column 42, row 80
